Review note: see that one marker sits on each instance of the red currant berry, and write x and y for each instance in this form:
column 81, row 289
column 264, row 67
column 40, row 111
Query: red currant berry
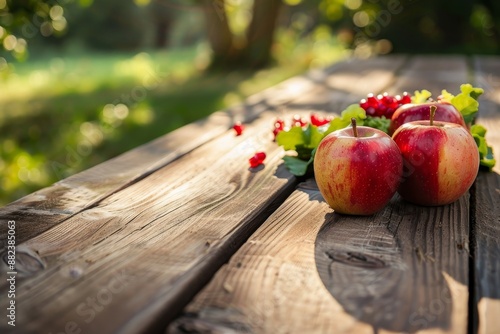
column 372, row 100
column 319, row 120
column 382, row 110
column 364, row 104
column 238, row 128
column 260, row 155
column 279, row 125
column 298, row 121
column 405, row 98
column 371, row 105
column 390, row 104
column 257, row 159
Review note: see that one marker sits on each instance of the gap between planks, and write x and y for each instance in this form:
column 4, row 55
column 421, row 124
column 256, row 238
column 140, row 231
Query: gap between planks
column 484, row 302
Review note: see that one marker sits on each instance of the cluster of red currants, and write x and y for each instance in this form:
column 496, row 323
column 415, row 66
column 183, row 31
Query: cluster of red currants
column 383, row 104
column 297, row 120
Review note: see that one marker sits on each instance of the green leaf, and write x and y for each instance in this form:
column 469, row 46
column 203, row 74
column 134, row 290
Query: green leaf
column 421, row 96
column 352, row 111
column 297, row 166
column 336, row 124
column 474, row 92
column 303, row 152
column 446, row 96
column 468, row 107
column 485, row 151
column 380, row 123
column 466, row 101
column 482, row 147
column 488, row 160
column 312, row 136
column 478, row 129
column 291, row 138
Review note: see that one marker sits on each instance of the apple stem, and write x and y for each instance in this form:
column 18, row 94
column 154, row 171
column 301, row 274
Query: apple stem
column 433, row 113
column 354, row 128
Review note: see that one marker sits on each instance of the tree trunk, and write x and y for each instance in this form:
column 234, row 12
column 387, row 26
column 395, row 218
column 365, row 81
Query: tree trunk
column 260, row 33
column 162, row 33
column 163, row 20
column 218, row 33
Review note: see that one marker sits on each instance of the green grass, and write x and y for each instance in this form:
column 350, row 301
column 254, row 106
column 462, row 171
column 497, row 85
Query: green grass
column 61, row 115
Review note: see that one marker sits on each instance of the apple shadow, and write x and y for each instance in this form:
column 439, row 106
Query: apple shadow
column 383, row 271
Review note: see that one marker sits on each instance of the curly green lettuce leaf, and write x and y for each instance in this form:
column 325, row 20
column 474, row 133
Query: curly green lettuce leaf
column 380, row 123
column 421, row 96
column 485, row 152
column 465, row 102
column 446, row 96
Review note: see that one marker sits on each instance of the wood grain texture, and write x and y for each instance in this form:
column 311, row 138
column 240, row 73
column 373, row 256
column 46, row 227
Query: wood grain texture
column 147, row 249
column 309, row 270
column 37, row 212
column 43, row 209
column 402, row 270
column 486, row 205
column 271, row 284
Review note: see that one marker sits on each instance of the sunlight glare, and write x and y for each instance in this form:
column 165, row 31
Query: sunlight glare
column 56, row 12
column 353, row 4
column 59, row 24
column 9, row 42
column 20, row 45
column 361, row 19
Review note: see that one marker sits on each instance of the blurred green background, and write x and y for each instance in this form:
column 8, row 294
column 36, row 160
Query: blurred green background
column 83, row 81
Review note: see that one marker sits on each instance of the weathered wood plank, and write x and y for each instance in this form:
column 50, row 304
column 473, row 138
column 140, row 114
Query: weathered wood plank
column 402, row 270
column 164, row 236
column 43, row 209
column 433, row 73
column 47, row 207
column 140, row 254
column 271, row 284
column 486, row 206
column 309, row 270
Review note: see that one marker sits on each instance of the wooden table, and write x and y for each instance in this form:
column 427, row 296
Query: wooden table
column 180, row 235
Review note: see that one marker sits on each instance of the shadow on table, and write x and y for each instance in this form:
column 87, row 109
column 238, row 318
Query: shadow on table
column 382, row 271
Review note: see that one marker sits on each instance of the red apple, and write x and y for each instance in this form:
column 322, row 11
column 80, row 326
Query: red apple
column 441, row 161
column 445, row 112
column 357, row 169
